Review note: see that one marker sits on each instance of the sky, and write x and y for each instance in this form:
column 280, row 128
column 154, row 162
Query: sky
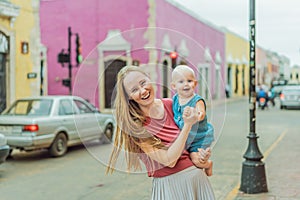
column 277, row 22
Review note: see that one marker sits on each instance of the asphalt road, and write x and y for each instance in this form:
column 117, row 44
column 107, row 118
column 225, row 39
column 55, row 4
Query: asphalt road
column 81, row 173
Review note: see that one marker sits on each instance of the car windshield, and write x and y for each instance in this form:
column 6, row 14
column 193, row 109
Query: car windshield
column 37, row 107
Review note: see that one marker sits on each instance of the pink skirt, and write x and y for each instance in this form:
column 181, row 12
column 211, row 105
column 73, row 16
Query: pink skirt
column 189, row 184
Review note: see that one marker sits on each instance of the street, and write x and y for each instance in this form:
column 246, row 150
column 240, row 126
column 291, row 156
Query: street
column 80, row 174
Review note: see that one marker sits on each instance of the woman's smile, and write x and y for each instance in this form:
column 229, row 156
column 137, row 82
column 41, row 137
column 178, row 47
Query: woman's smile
column 145, row 97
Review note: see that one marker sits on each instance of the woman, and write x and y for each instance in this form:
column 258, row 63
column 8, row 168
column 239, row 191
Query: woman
column 146, row 129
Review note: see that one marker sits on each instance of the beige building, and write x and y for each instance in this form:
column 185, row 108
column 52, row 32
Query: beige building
column 20, row 60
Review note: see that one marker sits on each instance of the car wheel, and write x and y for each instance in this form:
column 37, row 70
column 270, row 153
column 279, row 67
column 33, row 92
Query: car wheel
column 59, row 146
column 10, row 153
column 107, row 134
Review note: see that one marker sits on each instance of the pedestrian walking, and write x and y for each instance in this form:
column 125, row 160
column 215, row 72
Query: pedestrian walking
column 147, row 132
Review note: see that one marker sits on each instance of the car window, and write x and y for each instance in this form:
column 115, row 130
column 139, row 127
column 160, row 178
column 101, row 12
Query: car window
column 83, row 108
column 66, row 107
column 20, row 108
column 39, row 107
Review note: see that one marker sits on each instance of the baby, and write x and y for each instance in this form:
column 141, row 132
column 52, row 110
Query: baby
column 202, row 133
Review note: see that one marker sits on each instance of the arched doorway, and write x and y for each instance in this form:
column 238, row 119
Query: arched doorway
column 165, row 92
column 3, row 70
column 112, row 67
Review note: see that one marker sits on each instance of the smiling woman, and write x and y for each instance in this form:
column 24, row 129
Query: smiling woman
column 146, row 129
column 139, row 88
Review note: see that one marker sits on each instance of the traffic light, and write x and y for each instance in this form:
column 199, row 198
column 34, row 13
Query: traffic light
column 174, row 55
column 78, row 50
column 63, row 58
column 66, row 82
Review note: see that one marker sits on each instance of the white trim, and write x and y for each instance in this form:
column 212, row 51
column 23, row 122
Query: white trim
column 114, row 41
column 166, row 43
column 163, row 58
column 11, row 67
column 244, row 60
column 218, row 59
column 45, row 68
column 229, row 60
column 207, row 55
column 3, row 43
column 204, row 79
column 10, row 11
column 183, row 50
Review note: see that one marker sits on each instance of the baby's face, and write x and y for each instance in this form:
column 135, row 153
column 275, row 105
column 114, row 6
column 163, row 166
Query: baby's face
column 184, row 83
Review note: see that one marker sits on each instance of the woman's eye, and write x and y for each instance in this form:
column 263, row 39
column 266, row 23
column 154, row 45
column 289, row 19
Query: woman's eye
column 143, row 83
column 133, row 90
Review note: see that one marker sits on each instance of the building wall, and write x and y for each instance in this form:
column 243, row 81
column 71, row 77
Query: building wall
column 237, row 54
column 19, row 23
column 261, row 65
column 27, row 30
column 135, row 22
column 94, row 20
column 145, row 31
column 197, row 41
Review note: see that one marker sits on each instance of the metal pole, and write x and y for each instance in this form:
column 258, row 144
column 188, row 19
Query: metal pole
column 253, row 178
column 70, row 64
column 42, row 76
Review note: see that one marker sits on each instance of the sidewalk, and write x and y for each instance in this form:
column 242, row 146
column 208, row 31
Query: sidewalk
column 282, row 166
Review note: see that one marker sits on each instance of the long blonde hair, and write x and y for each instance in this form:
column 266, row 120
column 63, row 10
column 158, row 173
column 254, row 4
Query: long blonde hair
column 130, row 132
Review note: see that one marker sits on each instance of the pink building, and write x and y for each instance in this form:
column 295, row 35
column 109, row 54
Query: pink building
column 117, row 33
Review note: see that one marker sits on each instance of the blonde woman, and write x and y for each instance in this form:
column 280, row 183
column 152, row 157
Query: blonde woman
column 147, row 132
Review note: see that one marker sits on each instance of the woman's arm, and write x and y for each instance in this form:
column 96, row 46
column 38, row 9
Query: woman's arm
column 170, row 156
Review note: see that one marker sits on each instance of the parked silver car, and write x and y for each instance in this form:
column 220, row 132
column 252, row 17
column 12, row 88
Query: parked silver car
column 290, row 97
column 54, row 123
column 4, row 148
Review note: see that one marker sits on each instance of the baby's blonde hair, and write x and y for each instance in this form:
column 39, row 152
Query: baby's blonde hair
column 182, row 68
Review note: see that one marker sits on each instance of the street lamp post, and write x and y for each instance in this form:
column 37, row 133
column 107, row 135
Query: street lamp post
column 253, row 178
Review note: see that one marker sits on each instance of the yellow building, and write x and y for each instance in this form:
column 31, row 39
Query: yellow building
column 237, row 56
column 20, row 47
column 295, row 75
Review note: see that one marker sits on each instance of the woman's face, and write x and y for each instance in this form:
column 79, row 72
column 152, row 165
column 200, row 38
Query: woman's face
column 139, row 88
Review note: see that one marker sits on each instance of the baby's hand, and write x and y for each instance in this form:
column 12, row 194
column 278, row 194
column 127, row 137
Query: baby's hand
column 204, row 155
column 187, row 111
column 208, row 150
column 190, row 115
